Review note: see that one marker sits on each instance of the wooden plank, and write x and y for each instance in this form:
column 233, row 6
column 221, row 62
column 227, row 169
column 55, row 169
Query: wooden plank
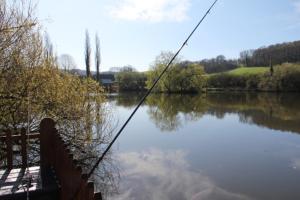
column 18, row 137
column 14, row 181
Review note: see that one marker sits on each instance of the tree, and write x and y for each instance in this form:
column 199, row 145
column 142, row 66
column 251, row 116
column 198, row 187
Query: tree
column 97, row 58
column 215, row 65
column 16, row 22
column 245, row 57
column 220, row 59
column 66, row 62
column 129, row 79
column 127, row 68
column 48, row 46
column 32, row 88
column 179, row 78
column 38, row 83
column 87, row 53
column 158, row 66
column 271, row 67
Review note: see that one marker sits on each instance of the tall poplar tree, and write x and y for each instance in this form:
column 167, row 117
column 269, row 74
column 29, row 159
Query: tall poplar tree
column 97, row 58
column 87, row 52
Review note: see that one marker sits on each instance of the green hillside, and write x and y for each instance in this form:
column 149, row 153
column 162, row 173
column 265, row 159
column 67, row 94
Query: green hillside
column 248, row 70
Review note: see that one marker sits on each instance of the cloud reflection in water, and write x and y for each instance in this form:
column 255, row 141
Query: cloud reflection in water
column 164, row 175
column 295, row 163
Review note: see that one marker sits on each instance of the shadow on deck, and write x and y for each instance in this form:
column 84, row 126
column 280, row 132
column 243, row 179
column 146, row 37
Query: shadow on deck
column 14, row 182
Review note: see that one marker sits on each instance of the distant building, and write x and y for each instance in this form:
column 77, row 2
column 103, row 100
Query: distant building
column 108, row 81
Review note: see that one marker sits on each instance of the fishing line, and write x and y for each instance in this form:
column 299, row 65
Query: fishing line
column 149, row 91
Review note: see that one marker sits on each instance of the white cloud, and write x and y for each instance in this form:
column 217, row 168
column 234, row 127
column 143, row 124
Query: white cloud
column 297, row 6
column 150, row 10
column 166, row 175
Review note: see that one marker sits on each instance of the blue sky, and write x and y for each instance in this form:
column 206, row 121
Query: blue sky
column 135, row 31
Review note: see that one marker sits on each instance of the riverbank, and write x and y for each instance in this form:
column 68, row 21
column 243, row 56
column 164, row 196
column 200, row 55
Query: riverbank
column 280, row 78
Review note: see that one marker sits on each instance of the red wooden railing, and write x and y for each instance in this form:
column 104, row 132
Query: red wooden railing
column 54, row 153
column 9, row 139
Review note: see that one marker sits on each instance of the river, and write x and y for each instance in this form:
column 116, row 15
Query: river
column 218, row 146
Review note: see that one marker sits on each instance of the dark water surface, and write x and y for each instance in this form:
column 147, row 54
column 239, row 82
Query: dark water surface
column 215, row 146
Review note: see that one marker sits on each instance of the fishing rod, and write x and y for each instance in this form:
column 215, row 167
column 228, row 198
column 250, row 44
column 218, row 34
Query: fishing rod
column 149, row 91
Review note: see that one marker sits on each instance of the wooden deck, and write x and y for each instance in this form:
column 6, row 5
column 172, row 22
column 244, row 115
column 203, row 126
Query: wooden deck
column 13, row 184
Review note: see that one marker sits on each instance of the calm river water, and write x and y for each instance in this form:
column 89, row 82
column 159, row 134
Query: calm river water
column 217, row 146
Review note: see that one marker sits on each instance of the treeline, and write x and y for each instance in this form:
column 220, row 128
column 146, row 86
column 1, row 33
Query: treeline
column 218, row 64
column 214, row 65
column 187, row 76
column 192, row 79
column 282, row 78
column 180, row 78
column 274, row 54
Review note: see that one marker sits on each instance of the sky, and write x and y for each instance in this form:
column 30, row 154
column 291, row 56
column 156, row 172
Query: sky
column 134, row 32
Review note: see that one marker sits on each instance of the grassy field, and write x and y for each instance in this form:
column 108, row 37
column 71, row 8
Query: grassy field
column 248, row 70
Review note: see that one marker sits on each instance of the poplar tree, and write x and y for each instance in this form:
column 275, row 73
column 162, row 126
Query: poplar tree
column 97, row 58
column 87, row 52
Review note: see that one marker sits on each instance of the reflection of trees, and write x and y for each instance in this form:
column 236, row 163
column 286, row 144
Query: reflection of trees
column 168, row 111
column 163, row 119
column 276, row 111
column 90, row 144
column 127, row 100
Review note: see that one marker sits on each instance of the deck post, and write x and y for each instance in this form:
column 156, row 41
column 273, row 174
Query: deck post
column 23, row 148
column 9, row 155
column 47, row 130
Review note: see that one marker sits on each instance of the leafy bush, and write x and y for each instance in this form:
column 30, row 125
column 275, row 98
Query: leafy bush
column 131, row 81
column 286, row 77
column 179, row 78
column 225, row 80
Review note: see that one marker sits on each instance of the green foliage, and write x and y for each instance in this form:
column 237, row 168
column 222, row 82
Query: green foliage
column 178, row 78
column 32, row 87
column 218, row 64
column 130, row 80
column 285, row 77
column 225, row 80
column 44, row 91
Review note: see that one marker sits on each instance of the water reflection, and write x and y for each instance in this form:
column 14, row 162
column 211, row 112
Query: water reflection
column 170, row 112
column 222, row 146
column 295, row 163
column 164, row 175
